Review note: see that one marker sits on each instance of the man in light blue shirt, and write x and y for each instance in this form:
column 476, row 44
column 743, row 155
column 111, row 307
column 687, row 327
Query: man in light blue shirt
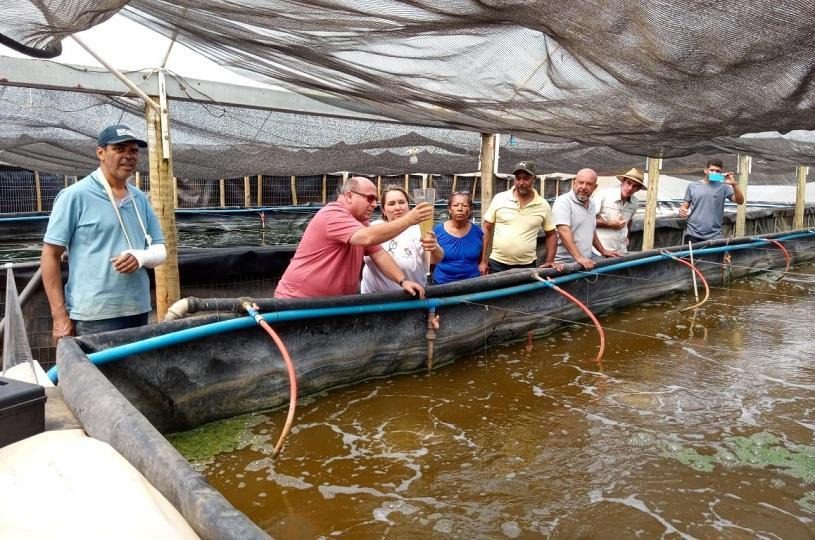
column 112, row 235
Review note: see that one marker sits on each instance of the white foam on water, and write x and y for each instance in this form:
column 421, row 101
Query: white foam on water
column 388, row 507
column 633, row 502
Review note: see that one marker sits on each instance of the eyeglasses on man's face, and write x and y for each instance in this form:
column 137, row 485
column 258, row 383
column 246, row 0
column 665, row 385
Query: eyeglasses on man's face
column 369, row 197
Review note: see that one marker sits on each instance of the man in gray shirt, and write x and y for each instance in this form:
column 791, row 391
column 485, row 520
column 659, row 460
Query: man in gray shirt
column 704, row 203
column 574, row 214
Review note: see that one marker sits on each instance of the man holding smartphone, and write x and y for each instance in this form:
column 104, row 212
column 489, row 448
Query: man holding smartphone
column 704, row 203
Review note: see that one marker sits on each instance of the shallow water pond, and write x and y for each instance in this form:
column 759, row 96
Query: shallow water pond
column 695, row 426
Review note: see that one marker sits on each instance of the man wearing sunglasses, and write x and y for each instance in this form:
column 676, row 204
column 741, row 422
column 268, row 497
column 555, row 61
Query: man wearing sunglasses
column 328, row 260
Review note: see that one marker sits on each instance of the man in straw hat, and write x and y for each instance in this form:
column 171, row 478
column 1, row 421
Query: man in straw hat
column 615, row 208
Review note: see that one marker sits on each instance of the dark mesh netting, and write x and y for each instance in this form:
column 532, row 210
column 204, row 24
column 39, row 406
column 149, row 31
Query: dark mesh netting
column 640, row 75
column 573, row 83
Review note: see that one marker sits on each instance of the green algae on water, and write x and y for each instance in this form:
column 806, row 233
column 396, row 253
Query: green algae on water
column 807, row 502
column 690, row 457
column 760, row 450
column 205, row 442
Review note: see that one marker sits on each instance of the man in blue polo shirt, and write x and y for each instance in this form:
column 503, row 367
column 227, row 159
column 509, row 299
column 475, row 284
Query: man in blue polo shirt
column 111, row 234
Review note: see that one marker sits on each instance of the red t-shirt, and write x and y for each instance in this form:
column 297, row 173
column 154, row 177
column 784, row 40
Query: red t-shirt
column 325, row 264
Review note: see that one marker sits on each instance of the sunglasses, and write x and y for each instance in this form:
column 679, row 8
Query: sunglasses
column 370, row 198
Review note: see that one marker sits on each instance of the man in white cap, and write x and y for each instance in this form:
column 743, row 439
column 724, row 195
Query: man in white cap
column 111, row 234
column 615, row 208
column 511, row 225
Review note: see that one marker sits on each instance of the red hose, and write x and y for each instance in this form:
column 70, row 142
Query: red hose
column 292, row 380
column 586, row 310
column 786, row 256
column 698, row 273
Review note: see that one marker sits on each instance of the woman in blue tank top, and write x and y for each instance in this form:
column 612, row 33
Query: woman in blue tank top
column 460, row 240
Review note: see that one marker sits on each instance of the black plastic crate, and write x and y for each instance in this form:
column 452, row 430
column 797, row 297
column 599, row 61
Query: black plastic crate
column 22, row 410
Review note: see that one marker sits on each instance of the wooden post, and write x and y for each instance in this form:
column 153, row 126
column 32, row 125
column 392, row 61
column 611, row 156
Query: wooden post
column 801, row 173
column 487, row 169
column 260, row 190
column 175, row 192
column 741, row 210
column 325, row 189
column 379, row 185
column 163, row 198
column 654, row 165
column 138, row 180
column 425, row 183
column 65, row 181
column 294, row 190
column 222, row 191
column 453, row 186
column 407, row 183
column 38, row 190
column 247, row 192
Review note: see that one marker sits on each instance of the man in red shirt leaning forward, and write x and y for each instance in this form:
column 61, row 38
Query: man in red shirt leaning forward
column 329, row 258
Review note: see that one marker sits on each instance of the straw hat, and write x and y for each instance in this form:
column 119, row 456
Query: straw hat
column 636, row 175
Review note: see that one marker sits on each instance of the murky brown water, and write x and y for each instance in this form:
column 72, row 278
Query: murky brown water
column 694, row 428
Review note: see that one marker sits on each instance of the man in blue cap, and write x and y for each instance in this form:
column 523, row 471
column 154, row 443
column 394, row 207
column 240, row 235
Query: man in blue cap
column 112, row 235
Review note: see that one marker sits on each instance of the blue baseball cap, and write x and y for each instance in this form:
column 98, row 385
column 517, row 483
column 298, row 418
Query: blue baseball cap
column 116, row 134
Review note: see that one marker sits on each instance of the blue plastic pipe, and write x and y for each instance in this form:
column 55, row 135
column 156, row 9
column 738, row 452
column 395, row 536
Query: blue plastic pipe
column 191, row 334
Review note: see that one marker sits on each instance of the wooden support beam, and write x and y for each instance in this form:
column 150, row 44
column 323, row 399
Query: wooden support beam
column 65, row 181
column 741, row 211
column 453, row 186
column 163, row 196
column 38, row 190
column 247, row 192
column 222, row 191
column 407, row 183
column 654, row 165
column 175, row 192
column 293, row 182
column 138, row 180
column 801, row 173
column 487, row 168
column 325, row 189
column 260, row 190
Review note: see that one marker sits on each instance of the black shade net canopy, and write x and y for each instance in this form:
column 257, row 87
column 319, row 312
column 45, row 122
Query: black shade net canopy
column 569, row 83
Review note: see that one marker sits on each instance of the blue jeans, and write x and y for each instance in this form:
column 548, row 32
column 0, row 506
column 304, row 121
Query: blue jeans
column 108, row 325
